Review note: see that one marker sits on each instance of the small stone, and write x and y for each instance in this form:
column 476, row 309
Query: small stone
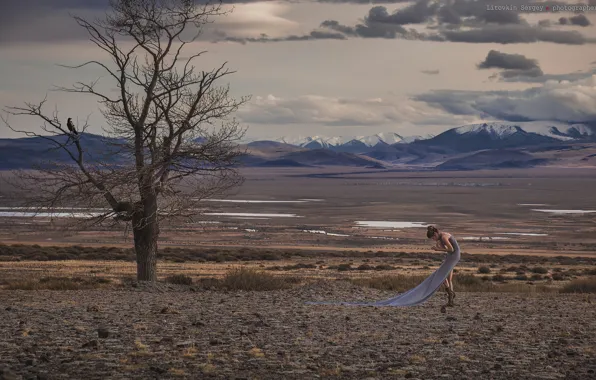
column 443, row 309
column 8, row 308
column 408, row 375
column 450, row 318
column 187, row 343
column 497, row 366
column 500, row 359
column 30, row 362
column 158, row 369
column 214, row 342
column 477, row 317
column 103, row 333
column 92, row 343
column 92, row 309
column 445, row 341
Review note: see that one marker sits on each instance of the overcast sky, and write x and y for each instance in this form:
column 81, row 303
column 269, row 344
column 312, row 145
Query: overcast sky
column 339, row 67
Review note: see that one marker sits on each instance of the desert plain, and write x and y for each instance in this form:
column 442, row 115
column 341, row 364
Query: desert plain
column 231, row 301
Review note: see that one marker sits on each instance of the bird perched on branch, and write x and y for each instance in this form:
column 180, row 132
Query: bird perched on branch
column 71, row 126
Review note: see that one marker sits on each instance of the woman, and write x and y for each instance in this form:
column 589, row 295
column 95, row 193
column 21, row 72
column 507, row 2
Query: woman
column 430, row 285
column 446, row 243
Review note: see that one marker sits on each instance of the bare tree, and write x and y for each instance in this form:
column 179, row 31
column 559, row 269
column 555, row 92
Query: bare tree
column 172, row 139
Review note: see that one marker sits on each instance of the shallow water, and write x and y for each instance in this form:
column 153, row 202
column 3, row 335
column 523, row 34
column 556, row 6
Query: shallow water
column 385, row 224
column 522, row 234
column 565, row 211
column 248, row 214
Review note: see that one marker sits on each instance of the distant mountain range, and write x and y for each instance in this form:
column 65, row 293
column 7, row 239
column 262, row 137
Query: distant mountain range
column 470, row 147
column 350, row 143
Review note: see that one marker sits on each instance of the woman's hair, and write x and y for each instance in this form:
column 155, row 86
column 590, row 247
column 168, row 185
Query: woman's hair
column 430, row 231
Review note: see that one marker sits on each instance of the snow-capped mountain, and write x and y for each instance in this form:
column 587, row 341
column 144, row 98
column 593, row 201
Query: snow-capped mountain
column 508, row 135
column 559, row 131
column 388, row 138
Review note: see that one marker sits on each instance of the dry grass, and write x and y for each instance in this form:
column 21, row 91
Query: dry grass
column 398, row 283
column 179, row 279
column 58, row 283
column 582, row 285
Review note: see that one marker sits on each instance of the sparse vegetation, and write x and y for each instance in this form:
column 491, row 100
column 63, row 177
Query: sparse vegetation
column 583, row 285
column 58, row 283
column 463, row 283
column 179, row 279
column 397, row 283
column 484, row 270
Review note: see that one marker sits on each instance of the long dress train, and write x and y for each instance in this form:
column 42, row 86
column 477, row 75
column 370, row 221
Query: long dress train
column 420, row 293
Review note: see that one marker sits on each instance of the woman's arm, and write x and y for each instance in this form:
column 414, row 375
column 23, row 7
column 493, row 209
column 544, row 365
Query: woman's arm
column 447, row 247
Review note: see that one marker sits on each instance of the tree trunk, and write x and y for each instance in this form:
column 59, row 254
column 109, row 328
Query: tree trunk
column 146, row 231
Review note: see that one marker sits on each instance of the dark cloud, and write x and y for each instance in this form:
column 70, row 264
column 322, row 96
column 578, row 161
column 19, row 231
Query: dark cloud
column 518, row 68
column 447, row 17
column 579, row 20
column 372, row 28
column 417, row 13
column 510, row 34
column 565, row 101
column 314, row 35
column 513, row 65
column 430, row 72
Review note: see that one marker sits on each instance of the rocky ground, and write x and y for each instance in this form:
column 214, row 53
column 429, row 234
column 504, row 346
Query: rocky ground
column 174, row 332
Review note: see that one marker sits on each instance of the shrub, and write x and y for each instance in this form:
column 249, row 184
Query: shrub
column 521, row 277
column 467, row 280
column 540, row 270
column 342, row 267
column 584, row 285
column 484, row 270
column 384, row 267
column 179, row 279
column 536, row 276
column 499, row 278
